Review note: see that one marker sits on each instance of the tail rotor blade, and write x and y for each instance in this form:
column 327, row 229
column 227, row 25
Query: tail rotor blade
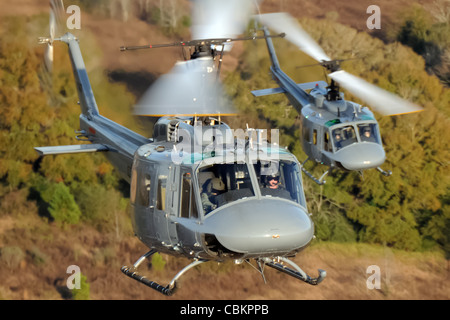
column 48, row 57
column 56, row 12
column 52, row 26
column 381, row 100
column 57, row 9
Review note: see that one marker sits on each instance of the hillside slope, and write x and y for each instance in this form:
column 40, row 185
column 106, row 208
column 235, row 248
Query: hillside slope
column 47, row 251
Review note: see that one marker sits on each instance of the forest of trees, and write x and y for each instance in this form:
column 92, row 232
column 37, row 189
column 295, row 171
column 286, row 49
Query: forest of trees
column 172, row 16
column 409, row 210
column 37, row 109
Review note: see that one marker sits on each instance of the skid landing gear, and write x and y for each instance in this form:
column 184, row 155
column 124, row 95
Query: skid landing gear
column 296, row 272
column 319, row 181
column 385, row 173
column 167, row 290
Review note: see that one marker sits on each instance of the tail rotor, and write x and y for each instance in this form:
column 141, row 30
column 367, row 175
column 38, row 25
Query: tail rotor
column 55, row 27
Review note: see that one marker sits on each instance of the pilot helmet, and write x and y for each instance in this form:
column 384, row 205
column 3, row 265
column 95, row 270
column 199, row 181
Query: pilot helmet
column 272, row 177
column 217, row 185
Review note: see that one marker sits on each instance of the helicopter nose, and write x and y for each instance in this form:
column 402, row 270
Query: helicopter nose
column 262, row 226
column 361, row 156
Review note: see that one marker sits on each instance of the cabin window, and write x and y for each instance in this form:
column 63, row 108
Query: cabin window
column 223, row 183
column 344, row 136
column 194, row 210
column 305, row 132
column 326, row 141
column 143, row 193
column 140, row 186
column 368, row 132
column 161, row 197
column 133, row 185
column 188, row 207
column 280, row 179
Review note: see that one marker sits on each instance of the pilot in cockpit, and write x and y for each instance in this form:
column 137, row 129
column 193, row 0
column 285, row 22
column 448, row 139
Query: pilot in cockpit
column 367, row 135
column 273, row 182
column 337, row 140
column 211, row 189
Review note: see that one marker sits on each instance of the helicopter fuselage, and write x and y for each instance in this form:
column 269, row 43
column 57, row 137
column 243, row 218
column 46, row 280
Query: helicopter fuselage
column 247, row 219
column 341, row 133
column 198, row 192
column 335, row 132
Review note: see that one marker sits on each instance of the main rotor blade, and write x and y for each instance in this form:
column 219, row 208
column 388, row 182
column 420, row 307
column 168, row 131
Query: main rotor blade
column 213, row 19
column 190, row 88
column 381, row 100
column 283, row 22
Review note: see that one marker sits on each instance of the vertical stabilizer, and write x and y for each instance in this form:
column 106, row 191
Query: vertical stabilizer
column 87, row 100
column 272, row 54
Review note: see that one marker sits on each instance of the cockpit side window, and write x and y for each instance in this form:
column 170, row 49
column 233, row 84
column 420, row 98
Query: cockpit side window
column 280, row 179
column 368, row 132
column 344, row 136
column 223, row 183
column 188, row 208
column 326, row 141
column 141, row 184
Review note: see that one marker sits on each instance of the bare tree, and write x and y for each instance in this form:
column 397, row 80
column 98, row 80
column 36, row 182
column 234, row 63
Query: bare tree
column 170, row 13
column 440, row 9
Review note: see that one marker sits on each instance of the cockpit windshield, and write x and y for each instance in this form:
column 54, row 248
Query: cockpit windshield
column 223, row 183
column 368, row 132
column 345, row 136
column 280, row 179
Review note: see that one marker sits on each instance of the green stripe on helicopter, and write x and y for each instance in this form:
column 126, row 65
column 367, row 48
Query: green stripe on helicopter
column 190, row 158
column 332, row 122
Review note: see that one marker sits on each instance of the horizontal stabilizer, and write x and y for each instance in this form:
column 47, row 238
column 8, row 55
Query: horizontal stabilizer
column 303, row 86
column 266, row 92
column 43, row 151
column 312, row 85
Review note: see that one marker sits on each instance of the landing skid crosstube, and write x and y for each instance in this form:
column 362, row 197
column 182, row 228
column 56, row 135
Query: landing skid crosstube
column 167, row 290
column 296, row 272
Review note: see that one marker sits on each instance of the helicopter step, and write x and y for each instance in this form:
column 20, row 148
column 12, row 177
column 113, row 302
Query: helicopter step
column 297, row 273
column 167, row 290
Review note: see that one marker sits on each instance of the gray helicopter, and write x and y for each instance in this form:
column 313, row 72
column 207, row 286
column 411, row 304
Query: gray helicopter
column 198, row 189
column 335, row 132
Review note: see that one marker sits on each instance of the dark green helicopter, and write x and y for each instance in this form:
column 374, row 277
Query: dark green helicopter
column 198, row 189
